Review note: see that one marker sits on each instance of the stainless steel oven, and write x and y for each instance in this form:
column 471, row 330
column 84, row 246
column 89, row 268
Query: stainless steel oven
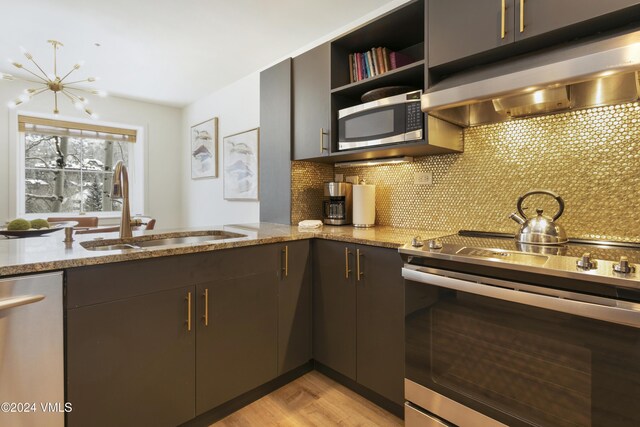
column 487, row 351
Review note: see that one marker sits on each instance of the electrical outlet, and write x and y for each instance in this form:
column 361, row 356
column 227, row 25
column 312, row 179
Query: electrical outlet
column 338, row 177
column 352, row 179
column 423, row 178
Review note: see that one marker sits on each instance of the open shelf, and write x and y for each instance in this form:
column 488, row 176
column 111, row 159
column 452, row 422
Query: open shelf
column 409, row 75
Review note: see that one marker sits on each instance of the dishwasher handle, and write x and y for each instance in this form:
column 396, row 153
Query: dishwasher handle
column 598, row 308
column 18, row 301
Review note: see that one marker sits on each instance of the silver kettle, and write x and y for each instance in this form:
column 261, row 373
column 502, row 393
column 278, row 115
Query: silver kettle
column 540, row 230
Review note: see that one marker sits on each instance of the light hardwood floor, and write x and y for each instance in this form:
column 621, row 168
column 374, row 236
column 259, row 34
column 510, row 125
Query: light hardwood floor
column 311, row 400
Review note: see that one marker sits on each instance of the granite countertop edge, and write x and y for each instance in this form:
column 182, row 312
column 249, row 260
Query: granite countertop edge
column 265, row 233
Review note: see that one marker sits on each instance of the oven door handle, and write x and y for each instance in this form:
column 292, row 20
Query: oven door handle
column 605, row 309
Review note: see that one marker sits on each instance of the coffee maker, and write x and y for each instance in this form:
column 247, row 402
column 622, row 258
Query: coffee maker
column 337, row 203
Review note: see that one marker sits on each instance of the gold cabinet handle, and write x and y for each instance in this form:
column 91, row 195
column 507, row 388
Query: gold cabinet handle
column 322, row 134
column 522, row 16
column 346, row 263
column 188, row 311
column 359, row 272
column 286, row 261
column 206, row 307
column 502, row 20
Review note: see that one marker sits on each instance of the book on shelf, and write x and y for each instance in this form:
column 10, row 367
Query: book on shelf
column 398, row 60
column 374, row 62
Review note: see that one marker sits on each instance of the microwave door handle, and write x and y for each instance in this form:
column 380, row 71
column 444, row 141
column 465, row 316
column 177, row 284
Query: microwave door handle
column 609, row 311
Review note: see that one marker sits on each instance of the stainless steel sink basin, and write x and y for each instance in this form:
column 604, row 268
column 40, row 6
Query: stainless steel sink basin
column 117, row 247
column 142, row 242
column 186, row 240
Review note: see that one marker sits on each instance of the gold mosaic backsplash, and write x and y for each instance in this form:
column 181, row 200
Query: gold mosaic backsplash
column 307, row 189
column 590, row 157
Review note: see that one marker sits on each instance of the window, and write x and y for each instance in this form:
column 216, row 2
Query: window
column 67, row 167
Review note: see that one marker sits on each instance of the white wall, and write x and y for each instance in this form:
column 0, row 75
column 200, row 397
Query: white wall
column 163, row 129
column 237, row 108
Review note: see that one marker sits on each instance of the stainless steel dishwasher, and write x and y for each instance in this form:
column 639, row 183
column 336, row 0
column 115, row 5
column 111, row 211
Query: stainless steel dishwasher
column 31, row 351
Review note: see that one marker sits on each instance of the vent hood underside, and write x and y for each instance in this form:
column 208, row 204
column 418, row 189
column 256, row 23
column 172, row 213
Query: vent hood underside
column 589, row 74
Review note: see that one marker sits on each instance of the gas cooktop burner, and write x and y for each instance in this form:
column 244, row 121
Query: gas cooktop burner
column 605, row 262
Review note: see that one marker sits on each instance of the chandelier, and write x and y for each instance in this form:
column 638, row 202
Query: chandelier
column 54, row 83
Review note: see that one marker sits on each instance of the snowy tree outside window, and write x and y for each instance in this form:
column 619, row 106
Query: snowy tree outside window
column 70, row 173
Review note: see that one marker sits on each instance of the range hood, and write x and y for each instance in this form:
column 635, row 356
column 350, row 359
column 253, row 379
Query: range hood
column 589, row 73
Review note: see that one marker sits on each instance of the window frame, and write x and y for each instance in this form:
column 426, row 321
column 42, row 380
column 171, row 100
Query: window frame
column 137, row 170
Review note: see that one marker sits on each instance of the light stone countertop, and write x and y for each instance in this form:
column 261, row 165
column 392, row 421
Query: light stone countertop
column 49, row 252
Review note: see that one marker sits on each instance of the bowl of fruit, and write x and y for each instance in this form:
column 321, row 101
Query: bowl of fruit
column 21, row 227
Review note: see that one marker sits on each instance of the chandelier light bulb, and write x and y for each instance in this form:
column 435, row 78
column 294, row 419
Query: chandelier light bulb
column 100, row 93
column 92, row 79
column 24, row 97
column 79, row 64
column 12, row 104
column 26, row 54
column 79, row 105
column 6, row 76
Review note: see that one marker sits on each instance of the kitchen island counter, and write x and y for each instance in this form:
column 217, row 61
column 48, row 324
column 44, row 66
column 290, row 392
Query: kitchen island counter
column 48, row 253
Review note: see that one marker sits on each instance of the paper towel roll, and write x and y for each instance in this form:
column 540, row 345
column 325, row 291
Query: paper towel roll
column 364, row 205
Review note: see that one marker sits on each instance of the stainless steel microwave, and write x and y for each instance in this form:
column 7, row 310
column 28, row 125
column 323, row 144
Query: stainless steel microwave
column 391, row 120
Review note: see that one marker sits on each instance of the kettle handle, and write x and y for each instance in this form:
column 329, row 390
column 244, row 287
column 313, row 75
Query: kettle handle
column 550, row 193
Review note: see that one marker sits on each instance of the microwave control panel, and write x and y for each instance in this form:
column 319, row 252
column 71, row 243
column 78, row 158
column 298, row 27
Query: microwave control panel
column 414, row 116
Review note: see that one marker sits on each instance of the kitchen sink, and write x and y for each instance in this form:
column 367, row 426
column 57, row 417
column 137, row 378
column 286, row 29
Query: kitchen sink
column 142, row 242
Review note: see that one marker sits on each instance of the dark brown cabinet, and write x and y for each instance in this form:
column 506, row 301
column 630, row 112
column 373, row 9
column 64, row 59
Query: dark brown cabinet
column 131, row 361
column 380, row 322
column 275, row 143
column 312, row 103
column 159, row 341
column 358, row 310
column 535, row 17
column 334, row 306
column 459, row 29
column 294, row 305
column 236, row 336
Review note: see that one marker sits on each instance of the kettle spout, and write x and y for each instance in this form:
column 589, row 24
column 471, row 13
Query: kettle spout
column 514, row 216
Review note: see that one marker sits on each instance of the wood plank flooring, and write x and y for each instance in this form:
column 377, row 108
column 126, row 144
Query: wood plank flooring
column 311, row 400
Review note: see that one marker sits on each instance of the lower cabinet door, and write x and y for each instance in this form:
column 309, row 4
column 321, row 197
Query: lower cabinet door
column 334, row 306
column 294, row 306
column 131, row 362
column 380, row 321
column 236, row 348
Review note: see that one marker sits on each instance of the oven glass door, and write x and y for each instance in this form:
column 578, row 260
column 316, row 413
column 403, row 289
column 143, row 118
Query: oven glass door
column 381, row 125
column 522, row 365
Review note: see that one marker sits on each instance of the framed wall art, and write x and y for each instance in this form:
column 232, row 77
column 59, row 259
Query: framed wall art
column 241, row 165
column 204, row 149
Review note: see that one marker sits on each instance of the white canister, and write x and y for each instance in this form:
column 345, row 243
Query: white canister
column 364, row 205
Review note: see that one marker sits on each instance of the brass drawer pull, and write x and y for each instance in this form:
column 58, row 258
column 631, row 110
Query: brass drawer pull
column 346, row 263
column 502, row 22
column 188, row 311
column 359, row 272
column 522, row 16
column 206, row 307
column 322, row 134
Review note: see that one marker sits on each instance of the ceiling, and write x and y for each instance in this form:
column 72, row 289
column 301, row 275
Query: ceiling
column 169, row 52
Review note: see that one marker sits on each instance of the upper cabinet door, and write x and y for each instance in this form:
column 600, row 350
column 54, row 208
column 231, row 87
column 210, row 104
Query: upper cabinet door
column 535, row 17
column 311, row 103
column 461, row 28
